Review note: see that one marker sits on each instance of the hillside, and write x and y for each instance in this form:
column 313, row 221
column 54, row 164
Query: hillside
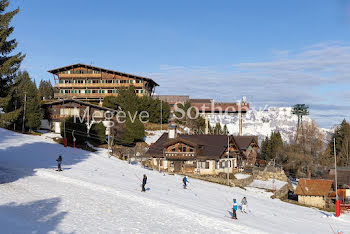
column 97, row 194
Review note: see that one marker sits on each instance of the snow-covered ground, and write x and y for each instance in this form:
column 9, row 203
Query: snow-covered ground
column 97, row 194
column 240, row 176
column 269, row 184
column 153, row 136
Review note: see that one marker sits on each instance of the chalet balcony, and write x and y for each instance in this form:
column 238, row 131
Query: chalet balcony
column 87, row 95
column 97, row 85
column 180, row 155
column 79, row 75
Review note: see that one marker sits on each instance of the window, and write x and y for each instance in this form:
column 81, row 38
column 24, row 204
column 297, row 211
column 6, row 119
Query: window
column 204, row 165
column 61, row 91
column 184, row 149
column 141, row 90
column 191, row 149
column 110, row 91
column 173, row 149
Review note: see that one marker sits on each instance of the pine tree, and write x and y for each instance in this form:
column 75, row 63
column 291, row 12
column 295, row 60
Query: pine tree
column 9, row 64
column 13, row 104
column 46, row 90
column 342, row 140
column 110, row 102
column 98, row 133
column 133, row 132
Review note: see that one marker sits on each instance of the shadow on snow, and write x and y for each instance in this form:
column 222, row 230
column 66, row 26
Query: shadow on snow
column 39, row 216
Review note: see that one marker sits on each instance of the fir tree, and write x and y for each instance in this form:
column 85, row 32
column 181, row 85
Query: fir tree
column 9, row 64
column 46, row 90
column 98, row 133
column 342, row 144
column 13, row 104
column 110, row 102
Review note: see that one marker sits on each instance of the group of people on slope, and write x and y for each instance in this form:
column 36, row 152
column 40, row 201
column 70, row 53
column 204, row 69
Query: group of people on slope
column 244, row 204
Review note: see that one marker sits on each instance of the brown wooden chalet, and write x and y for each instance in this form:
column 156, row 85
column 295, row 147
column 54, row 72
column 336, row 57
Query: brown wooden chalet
column 56, row 111
column 81, row 81
column 205, row 105
column 203, row 154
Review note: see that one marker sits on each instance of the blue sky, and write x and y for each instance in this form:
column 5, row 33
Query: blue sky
column 274, row 52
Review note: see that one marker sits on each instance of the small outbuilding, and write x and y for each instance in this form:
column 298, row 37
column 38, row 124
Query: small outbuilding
column 314, row 192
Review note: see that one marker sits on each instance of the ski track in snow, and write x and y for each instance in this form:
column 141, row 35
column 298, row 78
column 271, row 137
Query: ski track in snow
column 97, row 194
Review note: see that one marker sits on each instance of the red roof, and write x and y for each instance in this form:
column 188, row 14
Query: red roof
column 311, row 187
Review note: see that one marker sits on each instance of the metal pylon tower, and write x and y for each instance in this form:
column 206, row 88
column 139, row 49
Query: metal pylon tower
column 300, row 110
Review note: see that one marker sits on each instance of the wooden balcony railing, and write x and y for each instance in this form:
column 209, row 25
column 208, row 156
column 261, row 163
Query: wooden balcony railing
column 88, row 95
column 79, row 75
column 97, row 85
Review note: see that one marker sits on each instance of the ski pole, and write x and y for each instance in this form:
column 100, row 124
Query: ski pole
column 138, row 177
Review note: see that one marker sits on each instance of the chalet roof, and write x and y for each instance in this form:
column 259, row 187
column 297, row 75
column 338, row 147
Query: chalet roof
column 172, row 98
column 243, row 142
column 201, row 100
column 65, row 101
column 65, row 68
column 211, row 146
column 311, row 187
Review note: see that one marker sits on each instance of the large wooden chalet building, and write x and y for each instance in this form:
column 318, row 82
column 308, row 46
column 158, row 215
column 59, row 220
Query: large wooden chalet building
column 202, row 154
column 91, row 83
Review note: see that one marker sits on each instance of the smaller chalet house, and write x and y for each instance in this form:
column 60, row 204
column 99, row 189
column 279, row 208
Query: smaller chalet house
column 202, row 154
column 56, row 111
column 313, row 192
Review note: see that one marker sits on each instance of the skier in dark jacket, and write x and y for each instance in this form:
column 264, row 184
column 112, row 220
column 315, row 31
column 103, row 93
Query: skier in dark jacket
column 59, row 161
column 144, row 181
column 185, row 180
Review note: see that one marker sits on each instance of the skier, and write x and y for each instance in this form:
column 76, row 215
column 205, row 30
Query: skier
column 244, row 205
column 144, row 181
column 234, row 209
column 59, row 161
column 185, row 180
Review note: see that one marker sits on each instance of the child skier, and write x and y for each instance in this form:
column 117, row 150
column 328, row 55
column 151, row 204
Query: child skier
column 144, row 181
column 185, row 180
column 234, row 209
column 244, row 205
column 59, row 161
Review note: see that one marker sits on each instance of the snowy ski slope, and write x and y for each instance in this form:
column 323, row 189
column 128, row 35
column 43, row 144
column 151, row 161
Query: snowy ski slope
column 97, row 194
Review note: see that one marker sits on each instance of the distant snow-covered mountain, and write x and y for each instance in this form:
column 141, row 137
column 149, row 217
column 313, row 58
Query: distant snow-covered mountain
column 262, row 122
